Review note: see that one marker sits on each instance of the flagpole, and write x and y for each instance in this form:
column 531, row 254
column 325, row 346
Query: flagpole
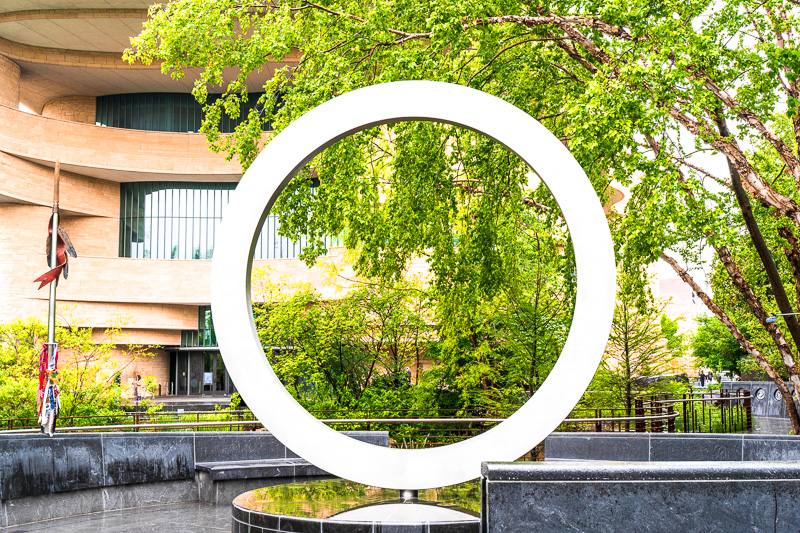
column 51, row 311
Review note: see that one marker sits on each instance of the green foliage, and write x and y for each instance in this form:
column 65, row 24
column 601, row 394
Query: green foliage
column 714, row 347
column 633, row 88
column 676, row 341
column 86, row 369
column 364, row 350
column 638, row 348
column 329, row 353
column 608, row 78
column 504, row 351
column 236, row 400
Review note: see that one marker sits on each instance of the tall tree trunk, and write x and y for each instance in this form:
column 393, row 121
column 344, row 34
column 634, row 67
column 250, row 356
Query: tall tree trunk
column 771, row 270
column 757, row 239
column 791, row 408
column 628, row 372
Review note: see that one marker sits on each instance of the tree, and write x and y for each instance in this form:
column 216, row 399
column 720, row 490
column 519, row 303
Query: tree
column 638, row 347
column 714, row 347
column 634, row 89
column 336, row 353
column 535, row 310
column 86, row 368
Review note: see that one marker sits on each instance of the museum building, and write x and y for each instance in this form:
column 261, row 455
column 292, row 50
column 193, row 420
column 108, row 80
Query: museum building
column 141, row 194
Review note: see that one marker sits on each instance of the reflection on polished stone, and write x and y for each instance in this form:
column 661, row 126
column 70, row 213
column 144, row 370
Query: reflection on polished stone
column 341, row 505
column 323, row 499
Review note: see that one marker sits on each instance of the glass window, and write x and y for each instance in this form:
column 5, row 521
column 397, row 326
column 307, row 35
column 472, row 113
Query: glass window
column 176, row 220
column 175, row 112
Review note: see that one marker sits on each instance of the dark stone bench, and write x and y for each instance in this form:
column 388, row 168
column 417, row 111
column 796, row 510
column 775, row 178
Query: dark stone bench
column 221, row 481
column 227, row 470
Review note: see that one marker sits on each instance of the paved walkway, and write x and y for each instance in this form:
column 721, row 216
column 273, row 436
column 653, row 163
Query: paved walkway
column 183, row 518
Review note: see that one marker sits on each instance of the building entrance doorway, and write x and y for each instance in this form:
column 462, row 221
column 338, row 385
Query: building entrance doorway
column 200, row 373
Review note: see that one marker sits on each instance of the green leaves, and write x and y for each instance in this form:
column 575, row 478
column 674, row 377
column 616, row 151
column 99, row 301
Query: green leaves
column 714, row 347
column 332, row 354
column 87, row 363
column 632, row 87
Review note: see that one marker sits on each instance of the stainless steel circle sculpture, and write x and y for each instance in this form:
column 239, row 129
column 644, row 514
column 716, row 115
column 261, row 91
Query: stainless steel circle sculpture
column 292, row 149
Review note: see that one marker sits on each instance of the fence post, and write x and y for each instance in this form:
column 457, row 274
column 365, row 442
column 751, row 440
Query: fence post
column 671, row 421
column 685, row 417
column 656, row 425
column 638, row 411
column 748, row 412
column 598, row 425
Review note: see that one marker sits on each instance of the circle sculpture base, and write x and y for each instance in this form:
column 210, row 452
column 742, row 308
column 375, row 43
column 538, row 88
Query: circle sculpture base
column 344, row 506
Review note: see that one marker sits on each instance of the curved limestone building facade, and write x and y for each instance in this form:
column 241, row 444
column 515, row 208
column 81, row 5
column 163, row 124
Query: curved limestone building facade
column 141, row 195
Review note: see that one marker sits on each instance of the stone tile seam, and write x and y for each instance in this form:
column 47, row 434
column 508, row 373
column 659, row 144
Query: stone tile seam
column 485, row 508
column 103, row 459
column 281, row 518
column 194, row 460
column 750, row 437
column 678, row 436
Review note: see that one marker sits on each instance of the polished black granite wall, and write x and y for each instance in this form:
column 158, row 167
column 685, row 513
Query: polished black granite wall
column 642, row 497
column 44, row 477
column 35, row 464
column 672, row 447
column 245, row 521
column 765, row 401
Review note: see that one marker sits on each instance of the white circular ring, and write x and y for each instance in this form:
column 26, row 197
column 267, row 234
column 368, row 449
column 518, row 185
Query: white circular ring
column 290, row 151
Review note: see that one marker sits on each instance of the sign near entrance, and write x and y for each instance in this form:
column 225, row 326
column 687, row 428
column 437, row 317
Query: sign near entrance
column 207, row 378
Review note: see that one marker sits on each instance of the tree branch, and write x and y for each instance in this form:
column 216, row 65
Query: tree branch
column 733, row 152
column 759, row 244
column 751, row 119
column 792, row 254
column 509, row 47
column 734, row 330
column 576, row 20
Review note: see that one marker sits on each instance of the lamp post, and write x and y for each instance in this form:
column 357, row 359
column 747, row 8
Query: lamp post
column 771, row 319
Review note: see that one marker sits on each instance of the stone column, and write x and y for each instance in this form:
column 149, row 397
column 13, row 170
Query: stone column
column 73, row 108
column 9, row 82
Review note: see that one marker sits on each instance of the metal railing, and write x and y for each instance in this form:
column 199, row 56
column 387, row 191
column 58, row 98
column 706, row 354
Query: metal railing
column 413, row 432
column 693, row 412
column 715, row 411
column 720, row 411
column 237, row 420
